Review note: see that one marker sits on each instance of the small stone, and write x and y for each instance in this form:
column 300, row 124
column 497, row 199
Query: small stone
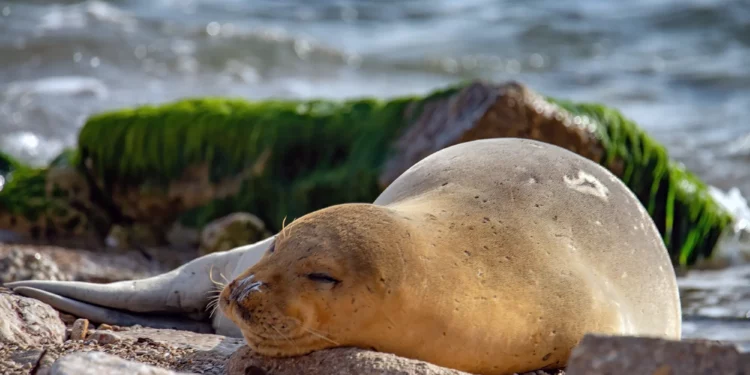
column 67, row 318
column 80, row 329
column 104, row 337
column 228, row 232
column 105, row 327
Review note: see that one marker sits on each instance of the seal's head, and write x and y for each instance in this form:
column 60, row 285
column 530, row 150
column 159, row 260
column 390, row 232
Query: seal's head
column 324, row 282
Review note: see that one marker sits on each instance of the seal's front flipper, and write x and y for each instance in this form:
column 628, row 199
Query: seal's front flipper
column 106, row 315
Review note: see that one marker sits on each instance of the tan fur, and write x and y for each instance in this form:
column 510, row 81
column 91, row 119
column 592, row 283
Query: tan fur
column 491, row 257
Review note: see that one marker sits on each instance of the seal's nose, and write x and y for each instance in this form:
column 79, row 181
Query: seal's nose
column 242, row 288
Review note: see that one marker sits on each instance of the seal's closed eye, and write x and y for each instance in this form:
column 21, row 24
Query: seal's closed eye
column 322, row 278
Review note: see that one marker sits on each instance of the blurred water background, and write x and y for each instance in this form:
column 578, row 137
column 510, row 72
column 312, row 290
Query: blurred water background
column 677, row 67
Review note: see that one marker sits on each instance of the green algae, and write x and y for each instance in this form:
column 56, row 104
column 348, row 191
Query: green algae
column 688, row 218
column 319, row 169
column 67, row 158
column 7, row 164
column 23, row 193
column 321, row 152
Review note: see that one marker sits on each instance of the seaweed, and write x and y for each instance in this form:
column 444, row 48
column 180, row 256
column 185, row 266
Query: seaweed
column 321, row 152
column 23, row 193
column 7, row 164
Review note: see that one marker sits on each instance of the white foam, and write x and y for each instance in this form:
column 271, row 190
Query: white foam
column 733, row 246
column 58, row 85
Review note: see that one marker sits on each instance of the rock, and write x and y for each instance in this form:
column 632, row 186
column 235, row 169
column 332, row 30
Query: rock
column 338, row 361
column 97, row 363
column 168, row 349
column 134, row 235
column 52, row 204
column 104, row 337
column 79, row 330
column 182, row 236
column 231, row 231
column 27, row 261
column 484, row 110
column 221, row 347
column 20, row 361
column 18, row 264
column 67, row 318
column 598, row 354
column 26, row 321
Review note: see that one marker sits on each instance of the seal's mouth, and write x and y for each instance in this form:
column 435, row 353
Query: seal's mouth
column 273, row 336
column 302, row 343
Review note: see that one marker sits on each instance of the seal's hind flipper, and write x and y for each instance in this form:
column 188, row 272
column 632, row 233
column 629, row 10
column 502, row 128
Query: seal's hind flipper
column 106, row 315
column 148, row 295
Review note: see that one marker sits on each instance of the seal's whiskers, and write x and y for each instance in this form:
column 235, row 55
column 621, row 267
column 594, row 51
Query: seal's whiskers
column 213, row 305
column 320, row 335
column 283, row 227
column 285, row 337
column 284, row 233
column 225, row 278
column 211, row 277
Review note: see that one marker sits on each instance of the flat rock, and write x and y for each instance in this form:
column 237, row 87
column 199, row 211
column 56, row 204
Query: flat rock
column 338, row 361
column 26, row 321
column 219, row 346
column 601, row 355
column 98, row 363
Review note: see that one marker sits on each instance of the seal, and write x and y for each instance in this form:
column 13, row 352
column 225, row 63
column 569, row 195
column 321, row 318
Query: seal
column 492, row 257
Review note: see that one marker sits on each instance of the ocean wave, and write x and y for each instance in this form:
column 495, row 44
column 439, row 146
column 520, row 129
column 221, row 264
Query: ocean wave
column 70, row 85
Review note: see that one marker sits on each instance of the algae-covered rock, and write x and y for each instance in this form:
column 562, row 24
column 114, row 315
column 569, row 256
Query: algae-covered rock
column 196, row 160
column 7, row 165
column 207, row 158
column 51, row 203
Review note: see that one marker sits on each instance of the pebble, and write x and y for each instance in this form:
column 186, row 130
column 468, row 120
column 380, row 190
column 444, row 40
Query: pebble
column 104, row 337
column 79, row 330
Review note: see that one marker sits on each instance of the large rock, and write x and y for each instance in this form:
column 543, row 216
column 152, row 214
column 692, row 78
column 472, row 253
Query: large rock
column 98, row 363
column 338, row 361
column 597, row 354
column 26, row 321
